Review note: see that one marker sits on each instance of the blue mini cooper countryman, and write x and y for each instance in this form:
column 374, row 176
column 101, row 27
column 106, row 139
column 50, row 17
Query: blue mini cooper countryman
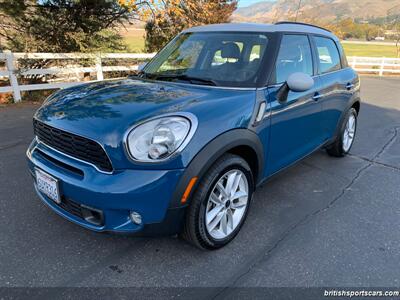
column 180, row 147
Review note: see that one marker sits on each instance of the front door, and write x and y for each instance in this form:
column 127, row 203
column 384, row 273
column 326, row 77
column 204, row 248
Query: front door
column 296, row 124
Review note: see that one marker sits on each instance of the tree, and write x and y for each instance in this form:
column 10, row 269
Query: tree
column 166, row 18
column 62, row 25
column 396, row 28
column 347, row 28
column 369, row 31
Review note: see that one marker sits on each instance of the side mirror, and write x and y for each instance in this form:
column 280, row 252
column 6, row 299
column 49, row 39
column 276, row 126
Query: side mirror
column 296, row 82
column 141, row 66
column 300, row 82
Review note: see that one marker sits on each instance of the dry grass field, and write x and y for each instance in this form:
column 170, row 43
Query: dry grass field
column 134, row 38
column 370, row 50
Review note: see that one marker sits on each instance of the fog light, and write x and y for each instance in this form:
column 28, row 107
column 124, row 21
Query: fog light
column 136, row 218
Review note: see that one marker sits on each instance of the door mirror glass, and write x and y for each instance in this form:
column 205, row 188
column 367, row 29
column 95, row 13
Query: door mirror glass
column 299, row 82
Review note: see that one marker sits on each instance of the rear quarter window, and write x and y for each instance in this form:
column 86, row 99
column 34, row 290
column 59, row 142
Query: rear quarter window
column 328, row 55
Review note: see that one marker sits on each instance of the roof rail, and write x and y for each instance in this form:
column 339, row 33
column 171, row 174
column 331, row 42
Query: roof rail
column 300, row 23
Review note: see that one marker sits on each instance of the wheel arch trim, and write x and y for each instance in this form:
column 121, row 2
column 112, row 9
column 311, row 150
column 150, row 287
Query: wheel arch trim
column 207, row 156
column 343, row 114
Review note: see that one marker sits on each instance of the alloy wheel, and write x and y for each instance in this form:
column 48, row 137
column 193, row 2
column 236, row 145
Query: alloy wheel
column 227, row 204
column 349, row 132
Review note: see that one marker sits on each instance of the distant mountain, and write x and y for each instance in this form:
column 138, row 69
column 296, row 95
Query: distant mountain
column 328, row 10
column 249, row 11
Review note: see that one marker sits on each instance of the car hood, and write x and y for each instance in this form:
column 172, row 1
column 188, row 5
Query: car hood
column 111, row 104
column 104, row 111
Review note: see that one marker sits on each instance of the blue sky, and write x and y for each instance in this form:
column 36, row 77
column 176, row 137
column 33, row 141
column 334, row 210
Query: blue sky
column 243, row 3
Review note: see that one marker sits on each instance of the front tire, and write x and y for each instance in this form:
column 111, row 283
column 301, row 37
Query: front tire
column 344, row 141
column 220, row 203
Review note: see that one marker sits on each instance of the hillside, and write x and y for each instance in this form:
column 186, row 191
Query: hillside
column 272, row 11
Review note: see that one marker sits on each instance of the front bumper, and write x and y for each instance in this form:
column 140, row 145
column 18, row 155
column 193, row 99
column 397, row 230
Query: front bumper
column 110, row 197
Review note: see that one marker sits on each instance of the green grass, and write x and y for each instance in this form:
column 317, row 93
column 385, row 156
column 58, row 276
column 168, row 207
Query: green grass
column 135, row 43
column 369, row 50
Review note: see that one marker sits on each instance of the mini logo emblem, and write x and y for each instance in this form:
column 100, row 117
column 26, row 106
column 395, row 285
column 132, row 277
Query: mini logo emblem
column 59, row 115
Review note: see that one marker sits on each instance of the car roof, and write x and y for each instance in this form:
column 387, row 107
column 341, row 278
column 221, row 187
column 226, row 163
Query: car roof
column 256, row 27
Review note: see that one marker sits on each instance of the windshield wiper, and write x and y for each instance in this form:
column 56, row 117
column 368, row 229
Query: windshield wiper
column 140, row 74
column 191, row 79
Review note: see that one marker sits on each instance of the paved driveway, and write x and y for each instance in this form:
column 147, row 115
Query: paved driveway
column 324, row 222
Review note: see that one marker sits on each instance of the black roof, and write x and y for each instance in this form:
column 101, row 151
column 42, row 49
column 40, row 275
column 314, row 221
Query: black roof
column 256, row 27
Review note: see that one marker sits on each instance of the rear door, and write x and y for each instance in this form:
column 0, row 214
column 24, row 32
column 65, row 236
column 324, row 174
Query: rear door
column 337, row 79
column 295, row 127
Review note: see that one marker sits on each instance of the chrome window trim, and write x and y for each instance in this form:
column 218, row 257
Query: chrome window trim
column 331, row 72
column 316, row 75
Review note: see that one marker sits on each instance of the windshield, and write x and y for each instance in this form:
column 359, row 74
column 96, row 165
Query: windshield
column 210, row 58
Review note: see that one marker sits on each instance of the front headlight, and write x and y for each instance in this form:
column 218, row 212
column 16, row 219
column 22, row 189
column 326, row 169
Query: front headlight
column 158, row 139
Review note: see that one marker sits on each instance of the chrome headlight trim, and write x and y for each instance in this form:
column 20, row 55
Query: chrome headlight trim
column 193, row 127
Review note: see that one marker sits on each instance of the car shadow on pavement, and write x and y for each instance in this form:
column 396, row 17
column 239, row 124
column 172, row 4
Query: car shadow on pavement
column 284, row 229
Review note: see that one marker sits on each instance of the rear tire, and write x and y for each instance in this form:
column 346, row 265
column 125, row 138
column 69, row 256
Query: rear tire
column 215, row 216
column 345, row 139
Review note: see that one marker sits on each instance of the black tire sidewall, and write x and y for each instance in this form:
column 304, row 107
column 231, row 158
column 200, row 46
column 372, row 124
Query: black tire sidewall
column 353, row 112
column 336, row 148
column 230, row 164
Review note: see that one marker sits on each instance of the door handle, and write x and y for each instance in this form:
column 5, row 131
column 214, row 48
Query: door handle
column 349, row 86
column 317, row 96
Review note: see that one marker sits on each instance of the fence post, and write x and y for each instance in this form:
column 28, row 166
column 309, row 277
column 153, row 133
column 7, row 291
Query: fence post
column 353, row 64
column 11, row 68
column 382, row 67
column 99, row 68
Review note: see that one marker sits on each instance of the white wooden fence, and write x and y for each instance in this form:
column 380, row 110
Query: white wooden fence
column 376, row 65
column 12, row 70
column 380, row 66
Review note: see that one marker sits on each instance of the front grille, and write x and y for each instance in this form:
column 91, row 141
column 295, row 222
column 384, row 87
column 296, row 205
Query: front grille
column 74, row 145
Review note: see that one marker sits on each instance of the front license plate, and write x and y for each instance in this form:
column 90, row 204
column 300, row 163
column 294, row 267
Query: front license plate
column 48, row 185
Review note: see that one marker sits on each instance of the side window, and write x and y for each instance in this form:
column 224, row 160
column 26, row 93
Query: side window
column 328, row 55
column 294, row 56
